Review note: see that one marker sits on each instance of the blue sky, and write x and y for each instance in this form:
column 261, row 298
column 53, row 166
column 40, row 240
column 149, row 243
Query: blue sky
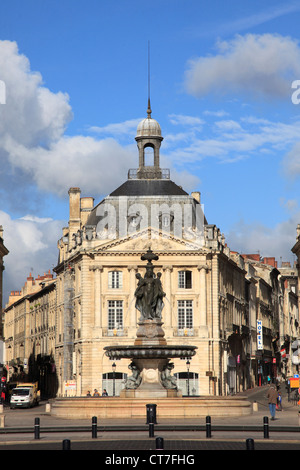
column 76, row 77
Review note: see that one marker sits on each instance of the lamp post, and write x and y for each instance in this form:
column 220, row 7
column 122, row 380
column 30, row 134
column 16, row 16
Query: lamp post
column 114, row 378
column 188, row 376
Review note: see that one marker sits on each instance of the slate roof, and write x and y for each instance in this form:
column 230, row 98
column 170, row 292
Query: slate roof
column 145, row 187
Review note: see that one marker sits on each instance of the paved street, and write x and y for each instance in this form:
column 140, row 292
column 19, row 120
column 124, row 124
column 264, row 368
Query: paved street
column 120, row 437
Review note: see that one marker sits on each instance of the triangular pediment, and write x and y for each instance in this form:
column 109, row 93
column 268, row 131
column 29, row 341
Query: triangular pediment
column 157, row 240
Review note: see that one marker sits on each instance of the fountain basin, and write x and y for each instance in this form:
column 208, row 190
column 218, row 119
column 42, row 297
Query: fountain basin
column 150, row 352
column 151, row 368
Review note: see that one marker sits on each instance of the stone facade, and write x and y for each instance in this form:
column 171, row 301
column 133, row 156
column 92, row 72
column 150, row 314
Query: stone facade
column 29, row 328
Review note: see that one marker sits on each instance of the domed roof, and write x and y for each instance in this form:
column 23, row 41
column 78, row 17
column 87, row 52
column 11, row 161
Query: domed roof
column 148, row 127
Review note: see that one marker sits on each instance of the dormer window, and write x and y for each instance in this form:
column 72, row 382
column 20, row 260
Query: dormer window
column 134, row 220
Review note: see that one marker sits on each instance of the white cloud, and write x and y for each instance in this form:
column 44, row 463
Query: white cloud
column 256, row 237
column 94, row 166
column 32, row 114
column 127, row 127
column 33, row 144
column 31, row 242
column 252, row 64
column 231, row 140
column 180, row 119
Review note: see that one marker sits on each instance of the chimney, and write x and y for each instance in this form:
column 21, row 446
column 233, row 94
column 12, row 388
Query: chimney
column 74, row 205
column 86, row 206
column 196, row 195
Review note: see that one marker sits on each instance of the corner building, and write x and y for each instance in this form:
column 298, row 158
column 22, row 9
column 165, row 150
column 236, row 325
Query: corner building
column 99, row 258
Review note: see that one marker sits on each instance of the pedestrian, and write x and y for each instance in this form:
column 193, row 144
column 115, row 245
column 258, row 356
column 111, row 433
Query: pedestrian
column 96, row 393
column 104, row 393
column 279, row 402
column 272, row 400
column 88, row 394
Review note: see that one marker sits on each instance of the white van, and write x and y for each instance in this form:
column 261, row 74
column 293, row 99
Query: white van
column 22, row 397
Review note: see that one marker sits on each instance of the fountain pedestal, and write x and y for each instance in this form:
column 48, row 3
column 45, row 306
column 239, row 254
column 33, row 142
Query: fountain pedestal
column 150, row 332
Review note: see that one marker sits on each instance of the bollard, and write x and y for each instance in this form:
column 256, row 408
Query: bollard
column 66, row 445
column 151, row 429
column 37, row 428
column 249, row 444
column 266, row 427
column 48, row 408
column 208, row 426
column 159, row 443
column 255, row 406
column 151, row 413
column 94, row 427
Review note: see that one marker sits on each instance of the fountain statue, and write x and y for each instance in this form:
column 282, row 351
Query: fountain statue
column 150, row 354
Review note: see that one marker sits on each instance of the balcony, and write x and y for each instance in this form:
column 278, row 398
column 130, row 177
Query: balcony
column 115, row 332
column 185, row 332
column 149, row 173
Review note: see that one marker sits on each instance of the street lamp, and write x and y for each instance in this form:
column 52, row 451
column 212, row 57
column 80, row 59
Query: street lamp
column 188, row 376
column 114, row 378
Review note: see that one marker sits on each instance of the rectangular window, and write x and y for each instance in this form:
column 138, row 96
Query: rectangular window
column 115, row 279
column 185, row 279
column 185, row 314
column 115, row 314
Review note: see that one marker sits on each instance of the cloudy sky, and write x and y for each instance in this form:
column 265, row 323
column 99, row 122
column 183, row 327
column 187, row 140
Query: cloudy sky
column 224, row 81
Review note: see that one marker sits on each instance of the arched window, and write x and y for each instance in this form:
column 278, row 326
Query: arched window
column 148, row 155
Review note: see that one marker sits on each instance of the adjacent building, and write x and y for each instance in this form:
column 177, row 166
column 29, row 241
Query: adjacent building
column 3, row 252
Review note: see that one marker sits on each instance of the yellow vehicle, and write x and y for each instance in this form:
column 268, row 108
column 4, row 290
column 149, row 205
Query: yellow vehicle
column 25, row 395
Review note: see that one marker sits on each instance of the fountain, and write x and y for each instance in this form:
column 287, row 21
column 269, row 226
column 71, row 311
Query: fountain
column 150, row 354
column 151, row 367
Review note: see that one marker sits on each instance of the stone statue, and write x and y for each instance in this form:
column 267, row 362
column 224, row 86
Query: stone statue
column 149, row 293
column 135, row 379
column 167, row 379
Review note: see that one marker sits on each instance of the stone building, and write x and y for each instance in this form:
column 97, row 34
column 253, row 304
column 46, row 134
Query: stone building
column 273, row 301
column 289, row 319
column 29, row 329
column 100, row 256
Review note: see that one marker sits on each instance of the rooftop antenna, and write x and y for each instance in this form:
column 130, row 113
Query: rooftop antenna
column 149, row 106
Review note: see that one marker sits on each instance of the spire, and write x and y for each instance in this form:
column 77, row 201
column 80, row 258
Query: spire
column 149, row 110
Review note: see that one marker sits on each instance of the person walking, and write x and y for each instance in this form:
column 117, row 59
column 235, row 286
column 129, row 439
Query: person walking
column 272, row 400
column 279, row 402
